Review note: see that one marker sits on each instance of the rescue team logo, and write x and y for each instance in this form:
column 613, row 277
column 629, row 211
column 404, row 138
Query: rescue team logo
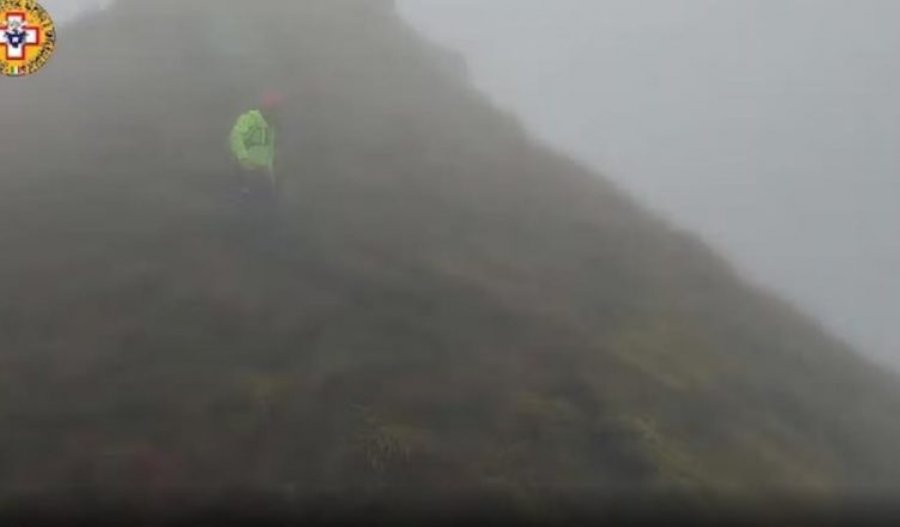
column 27, row 37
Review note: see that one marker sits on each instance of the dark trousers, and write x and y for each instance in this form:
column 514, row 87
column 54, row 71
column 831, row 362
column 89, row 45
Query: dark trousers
column 256, row 205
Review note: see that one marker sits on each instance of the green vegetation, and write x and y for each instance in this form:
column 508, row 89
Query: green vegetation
column 451, row 310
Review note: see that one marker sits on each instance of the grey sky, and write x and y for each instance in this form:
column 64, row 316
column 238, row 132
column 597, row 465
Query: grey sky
column 770, row 126
column 62, row 10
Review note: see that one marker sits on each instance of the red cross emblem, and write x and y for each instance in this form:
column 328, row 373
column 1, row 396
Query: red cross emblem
column 16, row 35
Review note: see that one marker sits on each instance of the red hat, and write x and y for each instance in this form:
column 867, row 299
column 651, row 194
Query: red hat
column 271, row 99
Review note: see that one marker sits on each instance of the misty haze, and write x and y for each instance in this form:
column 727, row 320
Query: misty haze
column 770, row 127
column 340, row 257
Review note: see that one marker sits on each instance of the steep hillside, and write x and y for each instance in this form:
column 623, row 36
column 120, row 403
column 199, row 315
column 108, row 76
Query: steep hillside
column 453, row 308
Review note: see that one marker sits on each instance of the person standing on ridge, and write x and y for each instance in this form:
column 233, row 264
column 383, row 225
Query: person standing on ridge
column 252, row 142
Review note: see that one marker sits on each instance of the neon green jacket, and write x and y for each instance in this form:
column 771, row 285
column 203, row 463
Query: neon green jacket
column 253, row 141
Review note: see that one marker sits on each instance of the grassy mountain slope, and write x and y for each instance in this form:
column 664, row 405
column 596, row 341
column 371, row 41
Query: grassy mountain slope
column 456, row 308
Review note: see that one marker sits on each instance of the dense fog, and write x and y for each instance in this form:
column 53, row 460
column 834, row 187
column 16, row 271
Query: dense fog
column 770, row 127
column 344, row 256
